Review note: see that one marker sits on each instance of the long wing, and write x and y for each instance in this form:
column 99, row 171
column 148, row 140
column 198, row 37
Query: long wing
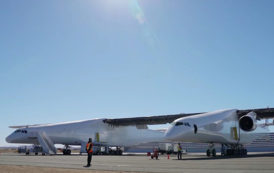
column 263, row 113
column 151, row 120
column 26, row 126
column 18, row 127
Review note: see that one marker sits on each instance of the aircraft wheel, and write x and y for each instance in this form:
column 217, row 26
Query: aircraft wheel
column 68, row 152
column 214, row 153
column 245, row 152
column 208, row 153
column 229, row 152
column 36, row 153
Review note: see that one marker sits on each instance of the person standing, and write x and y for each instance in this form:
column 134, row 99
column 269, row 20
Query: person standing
column 89, row 151
column 179, row 154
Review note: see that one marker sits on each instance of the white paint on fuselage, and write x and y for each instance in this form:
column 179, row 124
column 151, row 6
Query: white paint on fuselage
column 76, row 133
column 213, row 127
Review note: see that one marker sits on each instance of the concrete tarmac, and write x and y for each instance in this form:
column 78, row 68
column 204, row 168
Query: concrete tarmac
column 191, row 163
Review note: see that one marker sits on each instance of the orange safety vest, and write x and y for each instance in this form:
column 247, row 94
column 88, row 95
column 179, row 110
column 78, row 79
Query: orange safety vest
column 179, row 148
column 89, row 147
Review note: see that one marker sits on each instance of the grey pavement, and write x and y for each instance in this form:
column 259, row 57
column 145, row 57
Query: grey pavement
column 193, row 163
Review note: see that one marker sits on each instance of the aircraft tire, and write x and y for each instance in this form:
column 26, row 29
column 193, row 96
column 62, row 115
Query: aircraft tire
column 244, row 152
column 68, row 152
column 208, row 153
column 214, row 153
column 229, row 152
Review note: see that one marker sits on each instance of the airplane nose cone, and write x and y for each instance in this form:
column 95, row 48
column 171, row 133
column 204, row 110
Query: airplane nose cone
column 170, row 134
column 8, row 139
column 175, row 134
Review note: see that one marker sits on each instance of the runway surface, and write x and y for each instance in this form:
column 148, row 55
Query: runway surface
column 192, row 163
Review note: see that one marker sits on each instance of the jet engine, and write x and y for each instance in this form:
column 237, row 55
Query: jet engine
column 248, row 122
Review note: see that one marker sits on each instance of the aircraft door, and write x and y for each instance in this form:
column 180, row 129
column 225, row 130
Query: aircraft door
column 234, row 133
column 97, row 137
column 195, row 129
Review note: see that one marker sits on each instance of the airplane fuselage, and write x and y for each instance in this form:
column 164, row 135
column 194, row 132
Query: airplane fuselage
column 213, row 127
column 77, row 133
column 222, row 126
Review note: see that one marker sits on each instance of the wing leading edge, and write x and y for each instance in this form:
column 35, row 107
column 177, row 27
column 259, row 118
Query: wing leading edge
column 263, row 113
column 151, row 120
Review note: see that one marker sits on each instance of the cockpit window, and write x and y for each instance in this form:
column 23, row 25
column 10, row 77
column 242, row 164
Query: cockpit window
column 182, row 123
column 21, row 131
column 178, row 124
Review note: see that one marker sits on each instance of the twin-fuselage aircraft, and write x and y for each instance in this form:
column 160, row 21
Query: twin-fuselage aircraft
column 232, row 128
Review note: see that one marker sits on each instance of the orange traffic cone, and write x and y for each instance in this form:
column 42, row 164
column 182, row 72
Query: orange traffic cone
column 168, row 156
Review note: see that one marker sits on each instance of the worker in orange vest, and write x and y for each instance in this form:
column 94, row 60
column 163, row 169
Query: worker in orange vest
column 179, row 154
column 89, row 151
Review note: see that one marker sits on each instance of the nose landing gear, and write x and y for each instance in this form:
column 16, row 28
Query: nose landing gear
column 211, row 151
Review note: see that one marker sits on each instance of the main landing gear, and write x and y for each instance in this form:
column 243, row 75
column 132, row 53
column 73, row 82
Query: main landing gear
column 66, row 151
column 211, row 151
column 233, row 150
column 227, row 150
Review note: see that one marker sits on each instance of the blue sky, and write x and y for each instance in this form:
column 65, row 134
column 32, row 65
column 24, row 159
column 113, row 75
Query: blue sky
column 71, row 60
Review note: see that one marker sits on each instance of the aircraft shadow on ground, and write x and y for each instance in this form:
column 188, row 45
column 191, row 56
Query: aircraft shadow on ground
column 229, row 157
column 201, row 157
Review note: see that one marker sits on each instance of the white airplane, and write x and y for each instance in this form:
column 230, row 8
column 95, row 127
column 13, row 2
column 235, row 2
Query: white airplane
column 78, row 132
column 231, row 128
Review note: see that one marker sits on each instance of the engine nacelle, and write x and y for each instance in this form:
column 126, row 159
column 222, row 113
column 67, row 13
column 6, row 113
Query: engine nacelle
column 248, row 122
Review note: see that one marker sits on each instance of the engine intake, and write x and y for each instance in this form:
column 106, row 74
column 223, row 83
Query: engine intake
column 248, row 122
